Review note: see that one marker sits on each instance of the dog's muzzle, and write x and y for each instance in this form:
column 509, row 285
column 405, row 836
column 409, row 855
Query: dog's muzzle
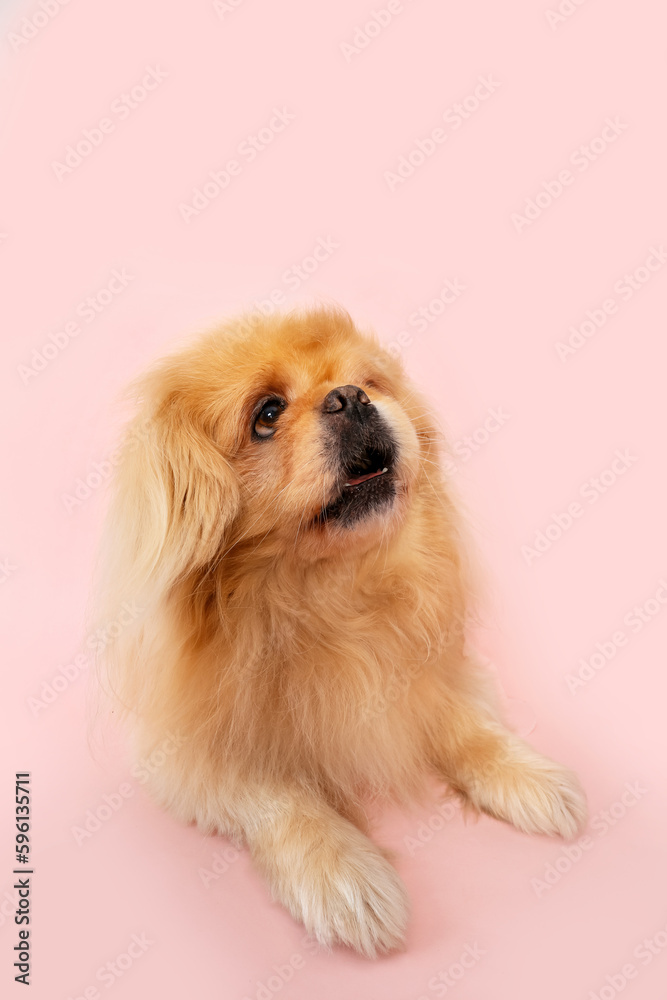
column 362, row 450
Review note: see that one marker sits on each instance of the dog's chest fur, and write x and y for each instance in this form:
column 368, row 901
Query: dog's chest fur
column 323, row 673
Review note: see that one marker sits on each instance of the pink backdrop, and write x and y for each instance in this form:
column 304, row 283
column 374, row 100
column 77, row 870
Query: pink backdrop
column 483, row 184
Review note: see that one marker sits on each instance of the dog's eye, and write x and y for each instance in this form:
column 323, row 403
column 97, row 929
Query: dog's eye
column 265, row 420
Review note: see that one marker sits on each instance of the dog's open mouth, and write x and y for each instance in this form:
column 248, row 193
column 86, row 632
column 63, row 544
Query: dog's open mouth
column 371, row 466
column 367, row 483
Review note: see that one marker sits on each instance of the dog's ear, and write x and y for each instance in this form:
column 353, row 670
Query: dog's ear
column 176, row 496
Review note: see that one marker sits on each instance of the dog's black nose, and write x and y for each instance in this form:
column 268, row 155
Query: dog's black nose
column 345, row 397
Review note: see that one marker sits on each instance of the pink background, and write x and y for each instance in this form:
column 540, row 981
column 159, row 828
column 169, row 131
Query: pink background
column 472, row 885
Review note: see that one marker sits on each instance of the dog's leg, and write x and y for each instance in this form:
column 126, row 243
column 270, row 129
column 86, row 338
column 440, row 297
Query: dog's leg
column 500, row 774
column 324, row 870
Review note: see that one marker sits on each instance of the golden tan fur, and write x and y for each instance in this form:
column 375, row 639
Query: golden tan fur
column 267, row 642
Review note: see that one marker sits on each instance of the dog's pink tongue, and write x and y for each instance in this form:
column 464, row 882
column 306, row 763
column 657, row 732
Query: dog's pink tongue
column 362, row 479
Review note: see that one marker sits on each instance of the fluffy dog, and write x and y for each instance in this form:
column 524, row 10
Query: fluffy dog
column 279, row 518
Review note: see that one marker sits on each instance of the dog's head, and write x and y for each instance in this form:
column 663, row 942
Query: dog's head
column 291, row 435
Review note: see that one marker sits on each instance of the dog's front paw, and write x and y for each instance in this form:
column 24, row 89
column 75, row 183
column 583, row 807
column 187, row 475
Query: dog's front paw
column 534, row 794
column 359, row 901
column 350, row 896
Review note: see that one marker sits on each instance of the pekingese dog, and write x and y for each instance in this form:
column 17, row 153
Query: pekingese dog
column 280, row 521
